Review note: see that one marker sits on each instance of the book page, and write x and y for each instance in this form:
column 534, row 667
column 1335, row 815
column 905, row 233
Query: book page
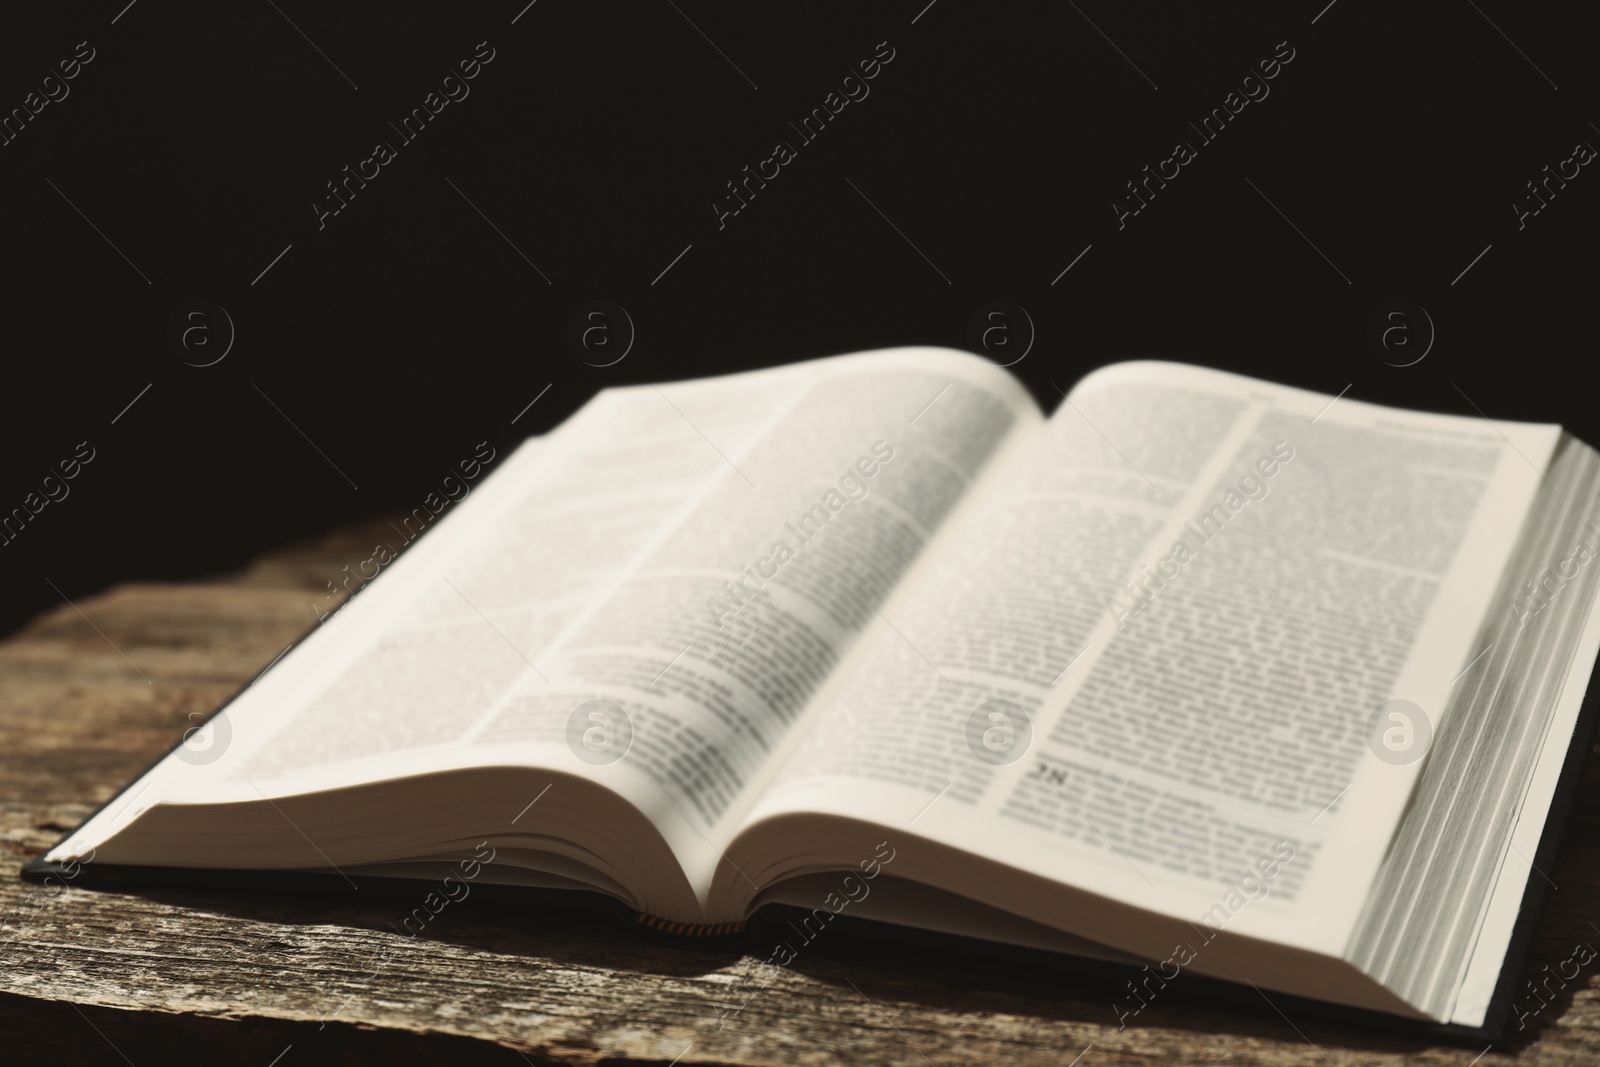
column 650, row 599
column 1454, row 878
column 1149, row 663
column 719, row 637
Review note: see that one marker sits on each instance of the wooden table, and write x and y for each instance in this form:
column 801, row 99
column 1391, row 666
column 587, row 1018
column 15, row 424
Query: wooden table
column 90, row 693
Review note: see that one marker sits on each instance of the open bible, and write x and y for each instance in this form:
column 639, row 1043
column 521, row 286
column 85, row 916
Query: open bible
column 1199, row 673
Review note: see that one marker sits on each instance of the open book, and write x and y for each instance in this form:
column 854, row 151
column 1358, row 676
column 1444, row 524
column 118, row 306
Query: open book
column 1199, row 672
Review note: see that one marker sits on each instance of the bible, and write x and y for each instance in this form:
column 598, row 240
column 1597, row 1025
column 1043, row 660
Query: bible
column 1197, row 674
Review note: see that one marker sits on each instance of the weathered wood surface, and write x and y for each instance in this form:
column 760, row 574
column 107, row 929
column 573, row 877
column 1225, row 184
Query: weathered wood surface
column 90, row 694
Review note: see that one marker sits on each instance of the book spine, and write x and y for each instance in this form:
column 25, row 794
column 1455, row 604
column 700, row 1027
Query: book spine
column 691, row 929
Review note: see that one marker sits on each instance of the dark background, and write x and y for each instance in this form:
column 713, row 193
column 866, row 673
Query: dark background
column 191, row 149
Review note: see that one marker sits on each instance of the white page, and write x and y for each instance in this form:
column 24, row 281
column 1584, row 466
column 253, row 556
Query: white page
column 1433, row 907
column 376, row 691
column 1143, row 449
column 712, row 679
column 585, row 572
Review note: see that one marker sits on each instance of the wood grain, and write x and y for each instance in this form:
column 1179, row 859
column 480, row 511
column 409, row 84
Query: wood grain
column 90, row 693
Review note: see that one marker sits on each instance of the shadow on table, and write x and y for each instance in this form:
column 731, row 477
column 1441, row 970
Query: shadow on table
column 887, row 967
